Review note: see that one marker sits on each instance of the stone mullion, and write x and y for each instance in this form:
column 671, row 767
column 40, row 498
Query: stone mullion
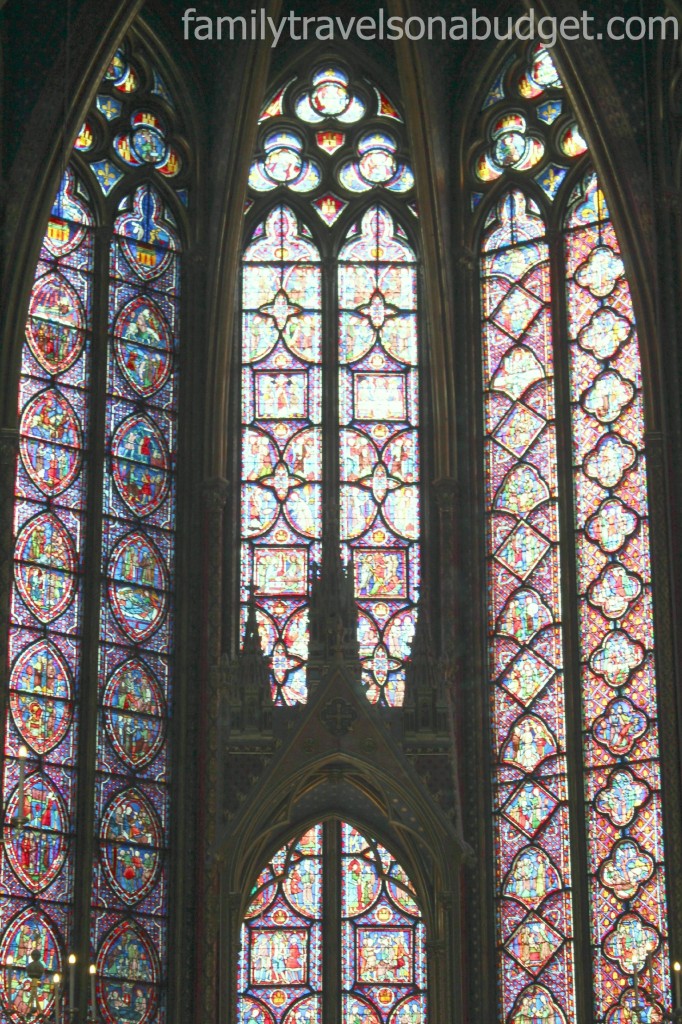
column 449, row 582
column 668, row 692
column 331, row 924
column 214, row 497
column 85, row 824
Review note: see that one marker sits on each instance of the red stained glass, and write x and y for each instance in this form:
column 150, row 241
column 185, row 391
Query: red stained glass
column 531, row 827
column 597, row 338
column 616, row 642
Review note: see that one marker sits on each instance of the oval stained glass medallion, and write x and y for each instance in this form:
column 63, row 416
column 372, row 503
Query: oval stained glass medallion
column 40, row 696
column 54, row 329
column 143, row 346
column 130, row 839
column 139, row 463
column 127, row 970
column 50, row 442
column 134, row 714
column 44, row 566
column 137, row 585
column 37, row 850
column 29, row 930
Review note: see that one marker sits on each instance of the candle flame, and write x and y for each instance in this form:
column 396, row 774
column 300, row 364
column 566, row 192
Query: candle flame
column 676, row 966
column 72, row 958
column 57, row 978
column 22, row 752
column 93, row 969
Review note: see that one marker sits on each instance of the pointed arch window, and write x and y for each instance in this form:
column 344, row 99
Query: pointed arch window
column 569, row 556
column 330, row 445
column 332, row 889
column 90, row 668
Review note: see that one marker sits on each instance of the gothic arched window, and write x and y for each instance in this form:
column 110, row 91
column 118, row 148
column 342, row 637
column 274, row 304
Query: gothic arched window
column 86, row 779
column 569, row 572
column 330, row 447
column 333, row 919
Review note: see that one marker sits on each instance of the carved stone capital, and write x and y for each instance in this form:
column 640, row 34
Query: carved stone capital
column 446, row 492
column 214, row 493
column 466, row 259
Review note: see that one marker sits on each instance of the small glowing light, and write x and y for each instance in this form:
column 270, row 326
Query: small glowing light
column 72, row 958
column 57, row 978
column 676, row 966
column 93, row 969
column 10, row 960
column 22, row 752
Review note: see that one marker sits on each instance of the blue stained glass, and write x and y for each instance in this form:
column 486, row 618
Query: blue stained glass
column 36, row 872
column 136, row 642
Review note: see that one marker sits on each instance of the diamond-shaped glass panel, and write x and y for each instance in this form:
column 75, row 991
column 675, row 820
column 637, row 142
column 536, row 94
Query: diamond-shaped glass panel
column 522, row 550
column 534, row 943
column 518, row 430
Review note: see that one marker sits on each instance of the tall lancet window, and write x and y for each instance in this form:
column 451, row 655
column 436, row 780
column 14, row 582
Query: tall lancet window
column 329, row 355
column 569, row 570
column 86, row 774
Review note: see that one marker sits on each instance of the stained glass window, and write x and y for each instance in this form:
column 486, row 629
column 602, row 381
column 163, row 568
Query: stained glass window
column 532, row 840
column 325, row 374
column 64, row 499
column 131, row 878
column 284, row 976
column 620, row 745
column 281, row 440
column 46, row 637
column 379, row 449
column 590, row 333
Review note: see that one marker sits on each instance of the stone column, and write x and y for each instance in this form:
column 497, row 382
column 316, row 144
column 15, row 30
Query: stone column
column 9, row 445
column 214, row 496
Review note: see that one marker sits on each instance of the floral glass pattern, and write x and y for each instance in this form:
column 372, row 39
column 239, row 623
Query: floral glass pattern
column 328, row 134
column 620, row 717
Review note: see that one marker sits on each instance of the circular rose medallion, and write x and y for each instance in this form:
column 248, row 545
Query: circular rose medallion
column 140, row 465
column 130, row 840
column 127, row 972
column 133, row 712
column 40, row 696
column 44, row 566
column 143, row 346
column 137, row 586
column 149, row 145
column 37, row 851
column 50, row 442
column 55, row 323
